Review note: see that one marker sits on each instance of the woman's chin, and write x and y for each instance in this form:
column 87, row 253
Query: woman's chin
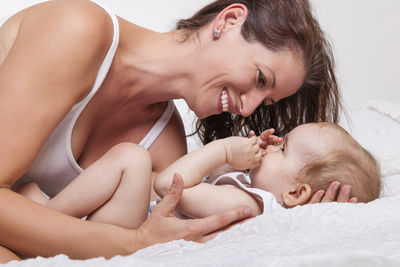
column 202, row 114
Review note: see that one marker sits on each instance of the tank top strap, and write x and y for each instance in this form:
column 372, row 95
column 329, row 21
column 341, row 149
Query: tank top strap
column 108, row 59
column 159, row 126
column 103, row 71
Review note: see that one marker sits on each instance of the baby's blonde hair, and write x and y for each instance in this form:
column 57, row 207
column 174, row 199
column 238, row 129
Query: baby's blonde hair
column 348, row 162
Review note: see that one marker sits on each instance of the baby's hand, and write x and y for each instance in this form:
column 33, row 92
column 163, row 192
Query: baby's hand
column 267, row 138
column 242, row 153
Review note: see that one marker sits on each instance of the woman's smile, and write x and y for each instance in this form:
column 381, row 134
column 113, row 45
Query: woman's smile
column 224, row 101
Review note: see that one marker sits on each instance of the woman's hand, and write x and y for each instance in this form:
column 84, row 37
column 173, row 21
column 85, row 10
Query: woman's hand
column 162, row 225
column 330, row 194
column 242, row 153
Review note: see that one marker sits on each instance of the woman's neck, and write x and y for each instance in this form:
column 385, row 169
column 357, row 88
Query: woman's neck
column 154, row 67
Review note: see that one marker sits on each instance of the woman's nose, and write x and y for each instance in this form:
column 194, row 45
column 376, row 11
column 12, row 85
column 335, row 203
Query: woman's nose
column 249, row 104
column 250, row 101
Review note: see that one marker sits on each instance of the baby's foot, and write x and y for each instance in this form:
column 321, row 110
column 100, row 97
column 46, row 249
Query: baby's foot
column 32, row 192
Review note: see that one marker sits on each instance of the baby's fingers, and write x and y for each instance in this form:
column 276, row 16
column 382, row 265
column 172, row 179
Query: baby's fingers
column 259, row 156
column 273, row 139
column 265, row 135
column 256, row 148
column 253, row 140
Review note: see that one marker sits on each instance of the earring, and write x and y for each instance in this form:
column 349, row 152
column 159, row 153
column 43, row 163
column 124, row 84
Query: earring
column 217, row 34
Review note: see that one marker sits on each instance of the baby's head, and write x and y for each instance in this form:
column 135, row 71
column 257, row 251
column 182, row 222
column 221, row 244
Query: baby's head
column 311, row 157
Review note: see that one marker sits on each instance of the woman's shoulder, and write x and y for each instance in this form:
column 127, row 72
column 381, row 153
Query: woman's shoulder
column 77, row 20
column 61, row 40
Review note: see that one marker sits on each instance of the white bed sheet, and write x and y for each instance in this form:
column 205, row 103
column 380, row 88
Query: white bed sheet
column 328, row 234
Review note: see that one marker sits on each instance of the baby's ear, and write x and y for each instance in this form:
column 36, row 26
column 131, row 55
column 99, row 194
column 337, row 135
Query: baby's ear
column 298, row 195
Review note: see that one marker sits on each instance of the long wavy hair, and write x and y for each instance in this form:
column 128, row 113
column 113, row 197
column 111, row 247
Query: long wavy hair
column 278, row 25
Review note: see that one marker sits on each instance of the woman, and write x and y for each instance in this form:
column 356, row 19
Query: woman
column 76, row 80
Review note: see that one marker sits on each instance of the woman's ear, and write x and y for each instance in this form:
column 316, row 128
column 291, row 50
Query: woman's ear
column 232, row 16
column 298, row 195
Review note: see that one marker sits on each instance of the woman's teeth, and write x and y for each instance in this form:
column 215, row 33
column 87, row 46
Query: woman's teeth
column 224, row 101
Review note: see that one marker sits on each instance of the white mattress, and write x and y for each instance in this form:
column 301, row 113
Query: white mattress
column 329, row 234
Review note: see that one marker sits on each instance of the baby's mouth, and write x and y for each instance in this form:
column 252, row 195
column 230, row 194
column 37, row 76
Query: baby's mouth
column 224, row 101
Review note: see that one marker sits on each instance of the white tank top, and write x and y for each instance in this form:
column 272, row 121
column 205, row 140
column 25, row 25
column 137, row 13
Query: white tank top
column 55, row 166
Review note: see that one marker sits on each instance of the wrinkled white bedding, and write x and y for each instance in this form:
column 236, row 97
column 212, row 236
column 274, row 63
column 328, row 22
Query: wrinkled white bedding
column 329, row 234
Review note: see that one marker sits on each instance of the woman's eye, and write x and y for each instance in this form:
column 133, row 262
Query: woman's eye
column 261, row 79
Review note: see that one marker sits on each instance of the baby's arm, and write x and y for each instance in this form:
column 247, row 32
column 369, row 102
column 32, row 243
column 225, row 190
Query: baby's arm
column 239, row 152
column 206, row 199
column 266, row 138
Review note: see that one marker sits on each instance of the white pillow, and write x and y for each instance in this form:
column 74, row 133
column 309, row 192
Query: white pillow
column 376, row 126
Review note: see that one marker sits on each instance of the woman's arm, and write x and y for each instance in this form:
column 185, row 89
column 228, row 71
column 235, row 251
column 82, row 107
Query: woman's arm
column 47, row 233
column 51, row 66
column 31, row 230
column 239, row 152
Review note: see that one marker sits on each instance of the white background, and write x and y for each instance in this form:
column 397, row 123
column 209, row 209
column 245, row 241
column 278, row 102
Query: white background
column 365, row 35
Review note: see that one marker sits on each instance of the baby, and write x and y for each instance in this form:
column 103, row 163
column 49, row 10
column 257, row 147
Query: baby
column 310, row 158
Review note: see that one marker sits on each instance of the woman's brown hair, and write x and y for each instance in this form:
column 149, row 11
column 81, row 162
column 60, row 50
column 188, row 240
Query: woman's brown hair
column 279, row 25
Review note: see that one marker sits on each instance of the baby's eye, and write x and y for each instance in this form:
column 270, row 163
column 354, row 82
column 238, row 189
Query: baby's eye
column 282, row 146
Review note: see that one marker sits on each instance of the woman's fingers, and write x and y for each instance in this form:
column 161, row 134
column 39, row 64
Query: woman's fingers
column 344, row 194
column 216, row 222
column 168, row 204
column 353, row 200
column 317, row 197
column 330, row 194
column 163, row 226
column 214, row 234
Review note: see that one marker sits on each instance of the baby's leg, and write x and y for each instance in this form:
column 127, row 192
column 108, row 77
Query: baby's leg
column 115, row 189
column 7, row 255
column 32, row 191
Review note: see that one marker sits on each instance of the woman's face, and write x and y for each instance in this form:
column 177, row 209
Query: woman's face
column 237, row 76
